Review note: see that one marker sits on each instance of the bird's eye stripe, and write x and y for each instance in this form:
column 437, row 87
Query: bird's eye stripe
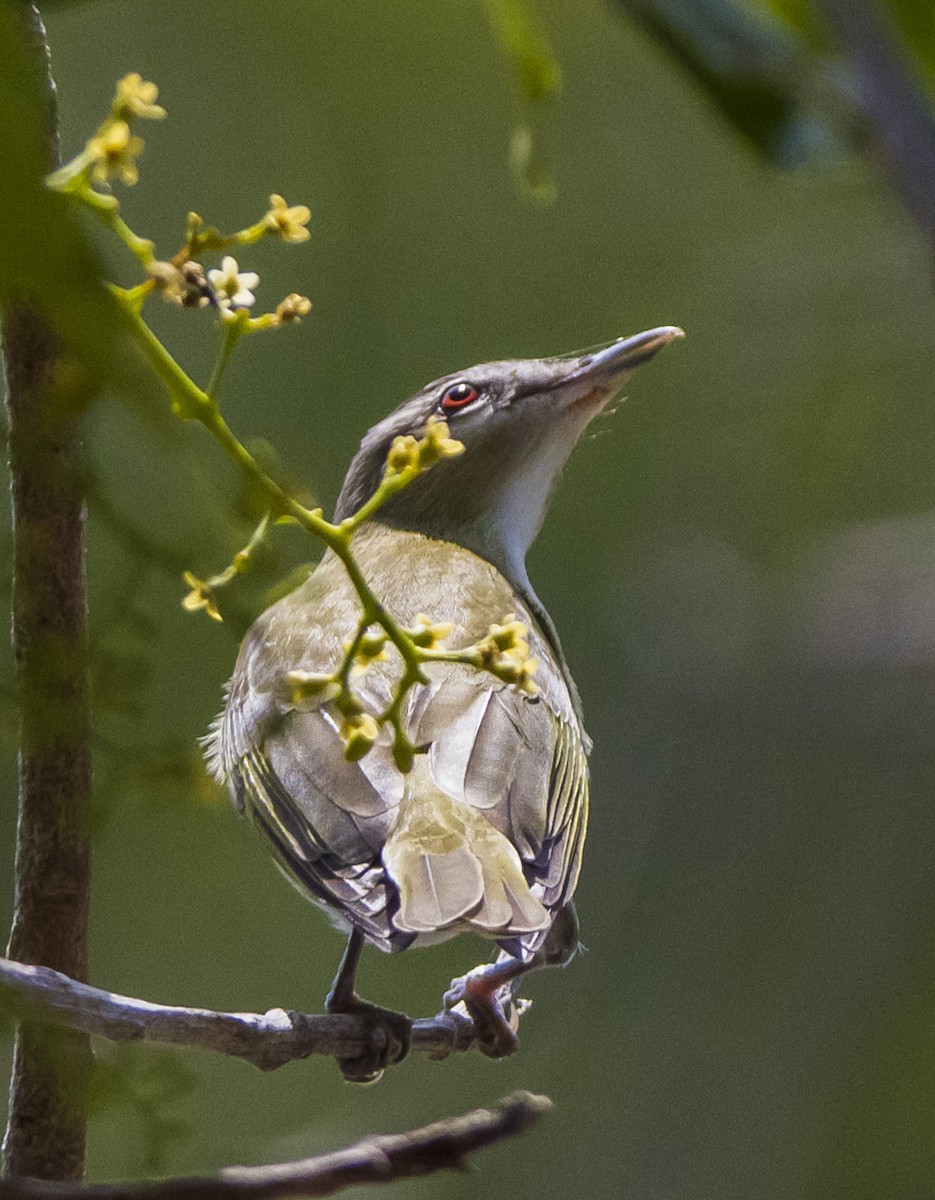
column 459, row 395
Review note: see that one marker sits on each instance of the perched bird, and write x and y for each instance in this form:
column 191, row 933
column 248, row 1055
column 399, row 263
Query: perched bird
column 485, row 833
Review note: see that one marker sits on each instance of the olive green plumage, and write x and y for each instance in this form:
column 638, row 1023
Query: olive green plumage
column 497, row 806
column 486, row 833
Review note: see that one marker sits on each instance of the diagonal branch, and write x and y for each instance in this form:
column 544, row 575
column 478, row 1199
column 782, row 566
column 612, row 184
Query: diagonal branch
column 267, row 1040
column 899, row 111
column 380, row 1159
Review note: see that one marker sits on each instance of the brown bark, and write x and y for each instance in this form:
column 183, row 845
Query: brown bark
column 46, row 1128
column 378, row 1159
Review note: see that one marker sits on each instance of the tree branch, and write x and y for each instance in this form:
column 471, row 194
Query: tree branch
column 380, row 1159
column 46, row 1127
column 267, row 1040
column 897, row 107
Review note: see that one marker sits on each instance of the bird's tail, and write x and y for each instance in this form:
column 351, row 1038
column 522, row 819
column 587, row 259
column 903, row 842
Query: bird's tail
column 452, row 868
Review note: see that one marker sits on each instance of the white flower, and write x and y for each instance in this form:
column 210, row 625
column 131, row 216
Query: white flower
column 232, row 286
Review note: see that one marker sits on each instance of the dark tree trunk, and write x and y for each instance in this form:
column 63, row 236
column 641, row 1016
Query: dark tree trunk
column 45, row 1134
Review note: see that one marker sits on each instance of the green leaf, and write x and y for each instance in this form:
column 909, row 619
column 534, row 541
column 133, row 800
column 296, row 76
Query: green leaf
column 45, row 257
column 799, row 17
column 915, row 20
column 525, row 42
column 752, row 68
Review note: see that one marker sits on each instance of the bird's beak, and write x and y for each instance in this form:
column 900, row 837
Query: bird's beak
column 606, row 369
column 585, row 383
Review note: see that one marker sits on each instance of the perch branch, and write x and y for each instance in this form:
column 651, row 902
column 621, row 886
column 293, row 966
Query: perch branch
column 442, row 1145
column 267, row 1040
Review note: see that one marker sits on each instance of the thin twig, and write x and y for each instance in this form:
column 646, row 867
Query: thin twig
column 267, row 1040
column 382, row 1159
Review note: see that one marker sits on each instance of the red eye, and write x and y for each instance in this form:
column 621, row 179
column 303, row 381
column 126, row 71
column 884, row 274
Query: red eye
column 458, row 395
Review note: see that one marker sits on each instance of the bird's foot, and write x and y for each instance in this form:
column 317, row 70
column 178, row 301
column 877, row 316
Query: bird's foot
column 483, row 996
column 390, row 1038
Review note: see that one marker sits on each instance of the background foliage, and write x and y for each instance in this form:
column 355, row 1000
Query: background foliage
column 741, row 565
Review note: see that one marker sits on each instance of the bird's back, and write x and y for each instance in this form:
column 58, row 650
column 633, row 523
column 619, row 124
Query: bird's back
column 486, row 832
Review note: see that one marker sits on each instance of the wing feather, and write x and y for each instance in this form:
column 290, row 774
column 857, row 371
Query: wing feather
column 519, row 763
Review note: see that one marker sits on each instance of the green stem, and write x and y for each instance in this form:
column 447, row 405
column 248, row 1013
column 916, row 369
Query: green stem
column 232, row 334
column 389, row 486
column 192, row 403
column 107, row 211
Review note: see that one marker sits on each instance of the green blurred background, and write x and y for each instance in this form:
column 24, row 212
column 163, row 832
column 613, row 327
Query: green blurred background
column 740, row 565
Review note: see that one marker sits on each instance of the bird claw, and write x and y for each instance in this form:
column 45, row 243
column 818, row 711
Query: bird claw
column 485, row 1000
column 389, row 1041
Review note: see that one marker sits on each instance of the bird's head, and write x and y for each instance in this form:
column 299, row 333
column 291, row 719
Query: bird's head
column 519, row 421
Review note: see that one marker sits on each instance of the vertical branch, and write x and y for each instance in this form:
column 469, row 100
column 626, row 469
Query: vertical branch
column 45, row 1134
column 900, row 113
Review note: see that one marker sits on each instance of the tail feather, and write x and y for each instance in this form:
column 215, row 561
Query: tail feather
column 435, row 890
column 452, row 867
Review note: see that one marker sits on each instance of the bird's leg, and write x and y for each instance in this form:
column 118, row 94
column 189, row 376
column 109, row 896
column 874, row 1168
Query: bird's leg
column 485, row 991
column 391, row 1031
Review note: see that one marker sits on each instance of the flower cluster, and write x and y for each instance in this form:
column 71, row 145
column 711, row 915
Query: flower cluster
column 113, row 150
column 504, row 652
column 203, row 592
column 112, row 154
column 187, row 279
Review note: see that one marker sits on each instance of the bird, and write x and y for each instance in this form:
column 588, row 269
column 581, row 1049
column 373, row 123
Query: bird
column 484, row 834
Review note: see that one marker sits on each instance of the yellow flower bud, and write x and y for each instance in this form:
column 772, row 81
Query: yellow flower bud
column 510, row 634
column 302, row 686
column 372, row 646
column 200, row 597
column 136, row 97
column 292, row 308
column 115, row 150
column 359, row 734
column 403, row 454
column 287, row 222
column 426, row 635
column 437, row 444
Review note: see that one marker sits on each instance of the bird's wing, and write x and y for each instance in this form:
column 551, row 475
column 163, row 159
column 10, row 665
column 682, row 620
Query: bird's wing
column 522, row 765
column 516, row 760
column 506, row 756
column 351, row 885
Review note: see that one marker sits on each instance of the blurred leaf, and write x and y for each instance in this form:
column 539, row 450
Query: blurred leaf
column 44, row 254
column 296, row 577
column 799, row 16
column 530, row 169
column 122, row 664
column 539, row 79
column 171, row 774
column 755, row 71
column 148, row 1083
column 915, row 20
column 525, row 42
